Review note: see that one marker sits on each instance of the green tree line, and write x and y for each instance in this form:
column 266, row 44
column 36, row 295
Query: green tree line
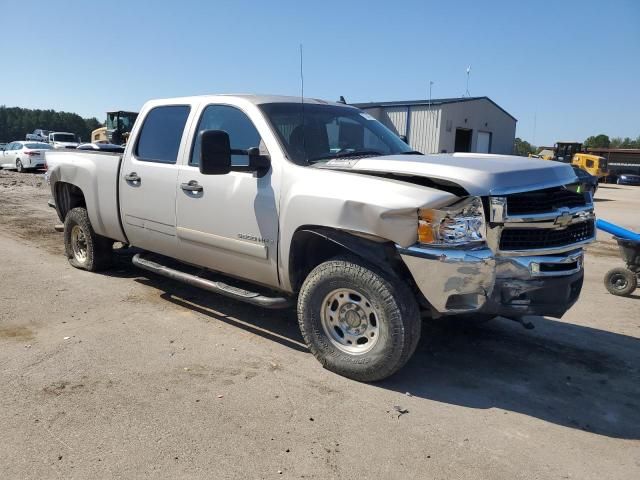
column 16, row 122
column 524, row 148
column 603, row 141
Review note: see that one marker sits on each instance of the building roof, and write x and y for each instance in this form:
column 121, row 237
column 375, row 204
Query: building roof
column 630, row 151
column 433, row 101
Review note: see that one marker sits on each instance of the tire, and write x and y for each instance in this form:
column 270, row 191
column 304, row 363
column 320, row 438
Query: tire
column 620, row 281
column 381, row 344
column 19, row 167
column 84, row 248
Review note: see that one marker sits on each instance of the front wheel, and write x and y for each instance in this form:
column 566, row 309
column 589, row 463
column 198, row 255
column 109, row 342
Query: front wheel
column 358, row 321
column 84, row 248
column 620, row 281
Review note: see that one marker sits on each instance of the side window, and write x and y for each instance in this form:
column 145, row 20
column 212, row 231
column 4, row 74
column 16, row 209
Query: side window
column 242, row 133
column 589, row 163
column 159, row 139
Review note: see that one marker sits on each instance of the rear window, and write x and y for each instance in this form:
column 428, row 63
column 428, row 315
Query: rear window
column 39, row 146
column 159, row 139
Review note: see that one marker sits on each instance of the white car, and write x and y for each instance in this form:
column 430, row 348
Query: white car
column 24, row 155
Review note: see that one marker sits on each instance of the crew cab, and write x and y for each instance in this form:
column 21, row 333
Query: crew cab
column 318, row 204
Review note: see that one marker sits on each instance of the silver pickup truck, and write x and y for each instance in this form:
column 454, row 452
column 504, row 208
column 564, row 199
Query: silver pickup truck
column 320, row 204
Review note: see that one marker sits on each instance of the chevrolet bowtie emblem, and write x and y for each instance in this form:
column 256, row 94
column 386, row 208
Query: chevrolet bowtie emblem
column 564, row 220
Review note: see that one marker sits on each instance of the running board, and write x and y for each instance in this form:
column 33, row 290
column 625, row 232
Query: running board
column 209, row 285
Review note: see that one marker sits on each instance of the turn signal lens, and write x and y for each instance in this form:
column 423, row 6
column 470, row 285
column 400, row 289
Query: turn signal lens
column 425, row 232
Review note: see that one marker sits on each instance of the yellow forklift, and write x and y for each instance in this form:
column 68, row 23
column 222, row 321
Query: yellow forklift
column 573, row 153
column 117, row 129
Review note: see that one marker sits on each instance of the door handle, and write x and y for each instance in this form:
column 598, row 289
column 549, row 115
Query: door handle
column 192, row 186
column 132, row 177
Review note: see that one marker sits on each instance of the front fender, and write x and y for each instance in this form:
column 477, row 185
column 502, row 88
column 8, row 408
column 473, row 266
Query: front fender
column 365, row 205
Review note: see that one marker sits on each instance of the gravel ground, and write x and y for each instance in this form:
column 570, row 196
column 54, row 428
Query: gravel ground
column 124, row 375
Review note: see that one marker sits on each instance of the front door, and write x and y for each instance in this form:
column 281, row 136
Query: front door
column 8, row 157
column 230, row 223
column 148, row 180
column 462, row 140
column 483, row 144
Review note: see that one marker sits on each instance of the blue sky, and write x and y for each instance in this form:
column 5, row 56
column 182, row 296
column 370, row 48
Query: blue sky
column 573, row 65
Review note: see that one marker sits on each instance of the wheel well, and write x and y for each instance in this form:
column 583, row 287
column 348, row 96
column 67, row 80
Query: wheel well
column 311, row 246
column 68, row 197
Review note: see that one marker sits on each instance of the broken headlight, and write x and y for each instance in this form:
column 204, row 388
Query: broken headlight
column 458, row 224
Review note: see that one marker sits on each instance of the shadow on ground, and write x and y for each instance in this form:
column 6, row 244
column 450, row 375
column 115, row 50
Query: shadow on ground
column 563, row 373
column 567, row 374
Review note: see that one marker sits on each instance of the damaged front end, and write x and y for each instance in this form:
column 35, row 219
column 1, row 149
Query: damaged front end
column 528, row 260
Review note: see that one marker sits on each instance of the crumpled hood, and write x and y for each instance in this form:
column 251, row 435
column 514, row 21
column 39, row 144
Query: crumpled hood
column 477, row 173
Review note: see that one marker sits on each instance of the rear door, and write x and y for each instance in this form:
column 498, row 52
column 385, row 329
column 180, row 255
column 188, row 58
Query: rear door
column 148, row 179
column 15, row 153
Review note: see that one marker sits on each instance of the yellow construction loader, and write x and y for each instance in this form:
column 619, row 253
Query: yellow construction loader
column 117, row 129
column 573, row 153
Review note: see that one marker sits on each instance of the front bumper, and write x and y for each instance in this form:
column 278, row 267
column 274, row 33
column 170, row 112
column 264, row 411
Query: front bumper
column 456, row 281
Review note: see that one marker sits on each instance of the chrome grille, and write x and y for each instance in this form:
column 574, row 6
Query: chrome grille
column 539, row 238
column 543, row 201
column 547, row 221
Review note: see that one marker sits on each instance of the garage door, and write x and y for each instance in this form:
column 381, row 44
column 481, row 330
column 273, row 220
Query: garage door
column 484, row 142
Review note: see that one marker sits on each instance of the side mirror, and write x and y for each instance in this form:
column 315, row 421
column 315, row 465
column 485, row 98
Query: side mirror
column 215, row 152
column 257, row 162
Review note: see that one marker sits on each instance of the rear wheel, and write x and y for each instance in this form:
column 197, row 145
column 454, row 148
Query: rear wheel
column 621, row 281
column 19, row 166
column 358, row 321
column 84, row 248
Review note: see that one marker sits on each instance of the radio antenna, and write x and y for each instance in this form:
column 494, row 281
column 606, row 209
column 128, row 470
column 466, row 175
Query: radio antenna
column 301, row 77
column 467, row 94
column 304, row 143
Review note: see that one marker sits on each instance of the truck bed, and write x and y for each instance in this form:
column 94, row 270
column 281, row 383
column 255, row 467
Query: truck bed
column 96, row 174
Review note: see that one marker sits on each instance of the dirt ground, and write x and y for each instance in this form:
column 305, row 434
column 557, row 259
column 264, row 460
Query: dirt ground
column 127, row 375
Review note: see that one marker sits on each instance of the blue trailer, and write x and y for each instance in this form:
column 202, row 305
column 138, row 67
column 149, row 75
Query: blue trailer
column 620, row 280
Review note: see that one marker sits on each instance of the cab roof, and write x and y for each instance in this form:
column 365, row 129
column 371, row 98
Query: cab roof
column 255, row 99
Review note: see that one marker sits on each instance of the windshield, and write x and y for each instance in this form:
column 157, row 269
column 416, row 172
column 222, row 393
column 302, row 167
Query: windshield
column 39, row 146
column 121, row 121
column 64, row 137
column 330, row 131
column 603, row 163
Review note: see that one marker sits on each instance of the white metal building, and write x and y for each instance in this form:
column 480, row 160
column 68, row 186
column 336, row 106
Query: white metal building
column 467, row 124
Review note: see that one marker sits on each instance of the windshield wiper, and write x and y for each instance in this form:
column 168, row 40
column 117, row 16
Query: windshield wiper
column 344, row 154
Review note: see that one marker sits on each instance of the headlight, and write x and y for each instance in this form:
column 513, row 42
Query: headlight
column 455, row 225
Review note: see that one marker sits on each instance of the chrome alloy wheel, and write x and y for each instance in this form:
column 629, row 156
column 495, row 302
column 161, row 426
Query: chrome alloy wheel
column 79, row 244
column 350, row 321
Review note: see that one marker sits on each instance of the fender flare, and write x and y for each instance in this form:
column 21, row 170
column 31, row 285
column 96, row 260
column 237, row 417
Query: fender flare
column 380, row 254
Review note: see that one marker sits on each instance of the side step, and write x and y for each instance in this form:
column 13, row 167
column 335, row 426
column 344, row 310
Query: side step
column 209, row 285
